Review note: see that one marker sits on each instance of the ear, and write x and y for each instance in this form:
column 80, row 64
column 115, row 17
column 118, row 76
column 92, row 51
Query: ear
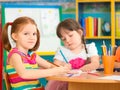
column 14, row 36
column 80, row 32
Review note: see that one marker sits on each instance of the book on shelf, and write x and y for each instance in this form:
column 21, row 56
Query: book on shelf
column 95, row 26
column 117, row 27
column 82, row 22
column 99, row 26
column 92, row 26
column 87, row 27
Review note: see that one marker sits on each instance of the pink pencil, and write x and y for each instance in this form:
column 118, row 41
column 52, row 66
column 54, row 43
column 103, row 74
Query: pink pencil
column 93, row 74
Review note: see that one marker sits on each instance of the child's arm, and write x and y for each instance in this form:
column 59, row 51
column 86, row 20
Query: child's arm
column 34, row 73
column 117, row 64
column 93, row 65
column 117, row 54
column 60, row 63
column 44, row 63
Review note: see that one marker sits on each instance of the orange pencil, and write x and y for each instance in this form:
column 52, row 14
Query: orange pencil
column 53, row 63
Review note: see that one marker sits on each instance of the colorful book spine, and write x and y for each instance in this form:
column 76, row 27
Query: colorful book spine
column 117, row 21
column 87, row 27
column 90, row 23
column 95, row 26
column 99, row 26
column 82, row 21
column 92, row 26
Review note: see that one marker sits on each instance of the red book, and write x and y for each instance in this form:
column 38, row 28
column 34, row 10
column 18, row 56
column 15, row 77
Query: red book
column 95, row 26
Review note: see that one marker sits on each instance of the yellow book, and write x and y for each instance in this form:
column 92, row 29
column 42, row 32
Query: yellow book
column 117, row 27
column 90, row 22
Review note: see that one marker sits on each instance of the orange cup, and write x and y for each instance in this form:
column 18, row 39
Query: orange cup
column 108, row 62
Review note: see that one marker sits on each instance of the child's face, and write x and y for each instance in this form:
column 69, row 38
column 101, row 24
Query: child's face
column 26, row 37
column 71, row 39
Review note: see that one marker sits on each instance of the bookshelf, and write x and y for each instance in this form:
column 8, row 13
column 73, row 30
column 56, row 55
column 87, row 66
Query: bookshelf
column 117, row 22
column 103, row 9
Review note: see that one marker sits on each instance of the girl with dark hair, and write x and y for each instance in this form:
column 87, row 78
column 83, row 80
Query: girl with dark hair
column 75, row 48
column 75, row 51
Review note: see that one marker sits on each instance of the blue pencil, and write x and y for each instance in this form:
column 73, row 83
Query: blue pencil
column 63, row 56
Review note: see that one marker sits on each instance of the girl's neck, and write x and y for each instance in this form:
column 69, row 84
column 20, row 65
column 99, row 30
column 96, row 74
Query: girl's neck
column 22, row 50
column 78, row 49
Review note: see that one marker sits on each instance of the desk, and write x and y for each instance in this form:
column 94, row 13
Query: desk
column 88, row 82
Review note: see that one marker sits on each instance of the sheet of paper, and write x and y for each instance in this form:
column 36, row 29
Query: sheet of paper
column 113, row 77
column 76, row 74
column 79, row 73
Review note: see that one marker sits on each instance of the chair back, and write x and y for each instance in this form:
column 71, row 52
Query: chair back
column 7, row 83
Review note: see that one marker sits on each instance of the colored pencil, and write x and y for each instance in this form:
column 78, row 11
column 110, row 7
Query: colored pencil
column 63, row 56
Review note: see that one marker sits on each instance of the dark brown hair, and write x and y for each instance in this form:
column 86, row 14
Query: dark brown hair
column 15, row 27
column 71, row 25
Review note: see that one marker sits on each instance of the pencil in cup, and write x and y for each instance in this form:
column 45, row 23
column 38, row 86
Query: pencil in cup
column 104, row 50
column 114, row 50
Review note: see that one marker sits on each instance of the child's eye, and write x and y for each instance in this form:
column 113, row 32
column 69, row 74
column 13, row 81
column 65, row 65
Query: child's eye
column 70, row 35
column 34, row 33
column 25, row 33
column 63, row 39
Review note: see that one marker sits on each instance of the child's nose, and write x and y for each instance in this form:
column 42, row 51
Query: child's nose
column 32, row 36
column 67, row 39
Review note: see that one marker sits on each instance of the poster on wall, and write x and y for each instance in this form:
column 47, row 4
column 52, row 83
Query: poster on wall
column 47, row 19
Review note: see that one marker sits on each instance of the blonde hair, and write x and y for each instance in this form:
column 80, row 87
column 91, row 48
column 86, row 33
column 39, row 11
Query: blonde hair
column 15, row 27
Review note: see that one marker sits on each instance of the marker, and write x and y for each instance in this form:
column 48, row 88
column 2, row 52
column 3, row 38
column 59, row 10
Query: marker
column 63, row 56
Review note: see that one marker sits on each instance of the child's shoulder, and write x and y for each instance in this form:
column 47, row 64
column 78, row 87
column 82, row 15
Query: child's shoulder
column 92, row 49
column 90, row 45
column 13, row 51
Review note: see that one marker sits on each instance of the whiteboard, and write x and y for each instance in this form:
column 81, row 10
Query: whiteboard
column 47, row 19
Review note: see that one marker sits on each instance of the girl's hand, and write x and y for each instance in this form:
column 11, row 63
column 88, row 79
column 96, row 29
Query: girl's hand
column 62, row 70
column 101, row 66
column 88, row 67
column 91, row 66
column 68, row 65
column 74, row 71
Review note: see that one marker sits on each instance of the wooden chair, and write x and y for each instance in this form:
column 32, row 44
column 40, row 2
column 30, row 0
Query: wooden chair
column 7, row 83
